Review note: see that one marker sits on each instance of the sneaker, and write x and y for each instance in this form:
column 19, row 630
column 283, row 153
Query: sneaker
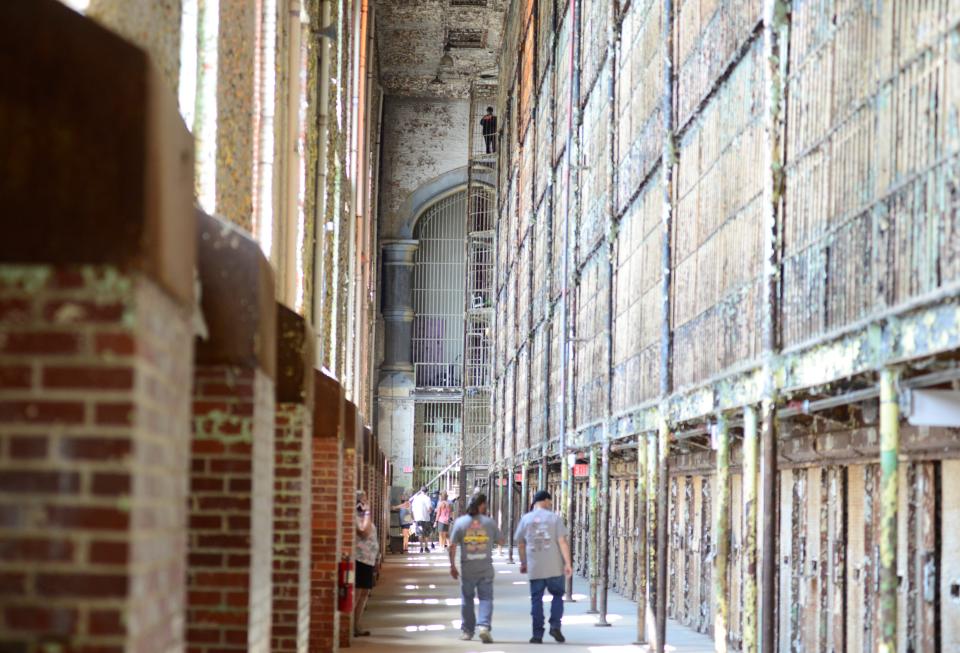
column 536, row 640
column 465, row 636
column 485, row 636
column 557, row 635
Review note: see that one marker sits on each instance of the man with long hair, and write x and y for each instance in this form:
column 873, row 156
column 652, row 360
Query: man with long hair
column 475, row 534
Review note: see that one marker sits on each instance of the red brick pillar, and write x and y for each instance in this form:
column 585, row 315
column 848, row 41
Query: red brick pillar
column 231, row 490
column 348, row 483
column 291, row 513
column 96, row 341
column 325, row 507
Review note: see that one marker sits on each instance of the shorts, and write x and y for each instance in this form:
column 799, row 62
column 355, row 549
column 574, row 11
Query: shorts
column 364, row 576
column 444, row 528
column 405, row 527
column 423, row 528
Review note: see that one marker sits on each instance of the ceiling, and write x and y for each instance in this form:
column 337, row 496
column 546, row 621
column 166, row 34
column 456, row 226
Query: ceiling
column 411, row 35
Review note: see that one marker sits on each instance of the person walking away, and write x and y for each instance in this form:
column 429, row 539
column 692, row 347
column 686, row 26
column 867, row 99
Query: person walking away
column 544, row 550
column 442, row 520
column 422, row 508
column 475, row 534
column 488, row 123
column 367, row 552
column 406, row 520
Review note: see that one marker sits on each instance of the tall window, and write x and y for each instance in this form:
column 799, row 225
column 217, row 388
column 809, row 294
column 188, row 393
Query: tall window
column 200, row 30
column 438, row 300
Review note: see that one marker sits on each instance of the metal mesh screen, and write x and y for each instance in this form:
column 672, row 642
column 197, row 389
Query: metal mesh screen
column 436, row 438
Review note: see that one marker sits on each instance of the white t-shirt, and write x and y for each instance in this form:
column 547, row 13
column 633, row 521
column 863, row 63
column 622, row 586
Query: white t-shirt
column 422, row 506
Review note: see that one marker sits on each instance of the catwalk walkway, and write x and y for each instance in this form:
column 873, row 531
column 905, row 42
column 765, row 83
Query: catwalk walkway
column 416, row 607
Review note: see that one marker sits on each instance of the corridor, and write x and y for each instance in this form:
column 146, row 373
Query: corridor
column 416, row 607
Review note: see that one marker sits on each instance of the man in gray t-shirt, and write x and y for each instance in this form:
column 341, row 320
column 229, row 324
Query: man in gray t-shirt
column 544, row 550
column 475, row 535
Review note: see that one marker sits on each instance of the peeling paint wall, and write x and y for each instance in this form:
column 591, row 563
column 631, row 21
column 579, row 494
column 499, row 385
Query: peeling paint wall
column 422, row 140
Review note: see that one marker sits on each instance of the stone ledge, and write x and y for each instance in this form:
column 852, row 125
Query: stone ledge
column 237, row 297
column 295, row 354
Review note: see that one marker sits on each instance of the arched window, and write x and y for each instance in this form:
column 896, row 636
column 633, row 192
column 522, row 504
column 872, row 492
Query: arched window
column 438, row 299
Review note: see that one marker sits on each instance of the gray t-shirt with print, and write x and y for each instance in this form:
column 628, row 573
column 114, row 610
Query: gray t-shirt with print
column 475, row 535
column 541, row 530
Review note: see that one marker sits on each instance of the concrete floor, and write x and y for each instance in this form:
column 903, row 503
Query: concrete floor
column 416, row 607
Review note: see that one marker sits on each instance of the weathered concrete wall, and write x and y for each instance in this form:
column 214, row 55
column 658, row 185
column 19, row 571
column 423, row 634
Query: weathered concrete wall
column 422, row 140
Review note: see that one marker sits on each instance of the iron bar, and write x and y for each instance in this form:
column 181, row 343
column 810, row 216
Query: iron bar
column 524, row 472
column 889, row 504
column 767, row 528
column 653, row 505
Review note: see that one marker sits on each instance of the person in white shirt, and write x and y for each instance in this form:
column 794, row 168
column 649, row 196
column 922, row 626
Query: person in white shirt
column 422, row 508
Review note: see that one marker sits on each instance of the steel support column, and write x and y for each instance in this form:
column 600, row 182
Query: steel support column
column 566, row 463
column 641, row 540
column 889, row 502
column 721, row 589
column 524, row 473
column 750, row 568
column 603, row 534
column 592, row 520
column 510, row 508
column 663, row 533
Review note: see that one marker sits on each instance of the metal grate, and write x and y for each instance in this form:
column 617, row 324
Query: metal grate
column 436, row 438
column 438, row 294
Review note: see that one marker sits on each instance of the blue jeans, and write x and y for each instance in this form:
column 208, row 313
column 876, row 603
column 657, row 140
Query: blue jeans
column 483, row 589
column 555, row 585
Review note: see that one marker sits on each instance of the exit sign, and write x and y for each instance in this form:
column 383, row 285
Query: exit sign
column 581, row 469
column 408, row 469
column 518, row 477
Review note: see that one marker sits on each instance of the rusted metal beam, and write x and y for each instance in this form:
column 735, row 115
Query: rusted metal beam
column 566, row 463
column 767, row 528
column 749, row 471
column 889, row 504
column 524, row 491
column 592, row 522
column 721, row 589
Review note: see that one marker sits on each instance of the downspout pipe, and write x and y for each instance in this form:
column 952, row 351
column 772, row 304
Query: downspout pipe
column 776, row 31
column 573, row 125
column 666, row 340
column 320, row 181
column 611, row 210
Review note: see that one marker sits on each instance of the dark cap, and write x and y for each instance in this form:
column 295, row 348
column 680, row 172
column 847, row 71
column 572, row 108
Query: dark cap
column 542, row 495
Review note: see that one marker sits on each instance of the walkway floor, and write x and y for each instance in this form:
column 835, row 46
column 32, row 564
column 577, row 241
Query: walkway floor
column 416, row 607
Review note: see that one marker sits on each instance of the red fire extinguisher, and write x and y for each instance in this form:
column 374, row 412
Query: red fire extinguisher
column 345, row 585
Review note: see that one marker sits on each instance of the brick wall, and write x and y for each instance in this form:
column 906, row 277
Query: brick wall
column 324, row 541
column 94, row 414
column 291, row 530
column 231, row 511
column 348, row 516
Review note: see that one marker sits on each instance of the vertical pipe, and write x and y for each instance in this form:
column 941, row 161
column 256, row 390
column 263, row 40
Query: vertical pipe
column 573, row 195
column 663, row 527
column 722, row 533
column 566, row 462
column 542, row 474
column 653, row 500
column 666, row 342
column 641, row 535
column 767, row 528
column 750, row 469
column 592, row 540
column 524, row 498
column 603, row 535
column 776, row 32
column 889, row 497
column 510, row 513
